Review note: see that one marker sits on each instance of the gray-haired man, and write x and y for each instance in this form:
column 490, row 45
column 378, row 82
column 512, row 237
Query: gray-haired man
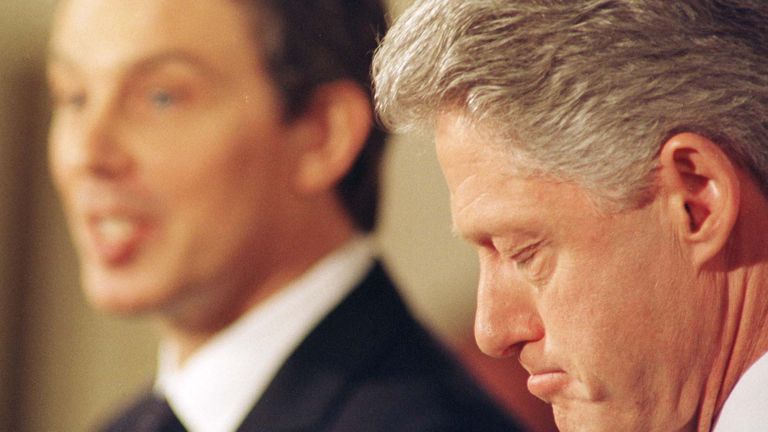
column 609, row 160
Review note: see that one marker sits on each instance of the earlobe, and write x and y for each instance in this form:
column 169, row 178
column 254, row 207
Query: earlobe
column 336, row 126
column 703, row 191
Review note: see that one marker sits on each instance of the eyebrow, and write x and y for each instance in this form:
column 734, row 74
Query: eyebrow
column 173, row 56
column 519, row 233
column 146, row 63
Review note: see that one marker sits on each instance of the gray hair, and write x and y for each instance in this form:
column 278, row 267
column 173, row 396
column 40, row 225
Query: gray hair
column 587, row 90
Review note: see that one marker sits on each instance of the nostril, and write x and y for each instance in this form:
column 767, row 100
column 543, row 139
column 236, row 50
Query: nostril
column 105, row 157
column 97, row 145
column 109, row 167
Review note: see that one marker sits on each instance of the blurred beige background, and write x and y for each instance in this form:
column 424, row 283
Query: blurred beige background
column 62, row 365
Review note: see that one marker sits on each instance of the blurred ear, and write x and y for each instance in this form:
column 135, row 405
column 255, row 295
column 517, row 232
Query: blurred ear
column 703, row 192
column 330, row 135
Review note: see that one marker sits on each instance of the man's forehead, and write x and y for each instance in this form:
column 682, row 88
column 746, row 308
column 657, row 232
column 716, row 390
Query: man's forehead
column 115, row 34
column 103, row 15
column 103, row 31
column 492, row 186
column 466, row 149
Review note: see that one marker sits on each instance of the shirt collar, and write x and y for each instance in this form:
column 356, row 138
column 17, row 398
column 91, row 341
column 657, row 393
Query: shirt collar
column 746, row 408
column 219, row 384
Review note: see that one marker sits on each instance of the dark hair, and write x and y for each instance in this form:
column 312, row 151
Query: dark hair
column 311, row 42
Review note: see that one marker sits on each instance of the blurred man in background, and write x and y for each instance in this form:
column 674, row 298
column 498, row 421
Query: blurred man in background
column 219, row 172
column 609, row 161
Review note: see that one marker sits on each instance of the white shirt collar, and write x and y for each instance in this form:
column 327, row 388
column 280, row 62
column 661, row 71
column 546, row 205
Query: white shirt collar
column 746, row 408
column 219, row 384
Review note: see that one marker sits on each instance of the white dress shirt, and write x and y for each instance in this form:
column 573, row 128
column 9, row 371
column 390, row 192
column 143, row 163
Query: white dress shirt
column 219, row 384
column 746, row 409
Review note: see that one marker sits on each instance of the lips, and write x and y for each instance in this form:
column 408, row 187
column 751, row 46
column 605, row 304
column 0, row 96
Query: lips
column 546, row 384
column 546, row 379
column 116, row 229
column 116, row 238
column 114, row 221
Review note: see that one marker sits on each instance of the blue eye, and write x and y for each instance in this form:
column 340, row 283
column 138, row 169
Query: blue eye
column 162, row 98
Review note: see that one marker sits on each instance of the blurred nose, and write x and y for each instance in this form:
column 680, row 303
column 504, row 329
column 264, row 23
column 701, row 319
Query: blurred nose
column 88, row 144
column 506, row 317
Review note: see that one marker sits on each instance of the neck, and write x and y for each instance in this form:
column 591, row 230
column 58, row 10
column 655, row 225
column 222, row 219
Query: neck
column 305, row 239
column 744, row 285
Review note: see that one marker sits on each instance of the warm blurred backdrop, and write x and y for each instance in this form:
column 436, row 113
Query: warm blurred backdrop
column 62, row 365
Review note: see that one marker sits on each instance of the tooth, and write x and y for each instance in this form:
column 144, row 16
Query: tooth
column 116, row 229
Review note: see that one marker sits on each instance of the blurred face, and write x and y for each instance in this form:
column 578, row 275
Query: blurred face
column 167, row 149
column 600, row 308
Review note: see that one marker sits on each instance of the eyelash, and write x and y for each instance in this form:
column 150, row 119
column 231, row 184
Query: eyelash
column 529, row 263
column 524, row 257
column 521, row 258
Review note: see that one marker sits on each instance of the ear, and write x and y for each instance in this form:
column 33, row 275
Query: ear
column 703, row 192
column 330, row 135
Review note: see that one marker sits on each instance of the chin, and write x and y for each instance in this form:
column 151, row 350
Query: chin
column 571, row 424
column 117, row 295
column 584, row 419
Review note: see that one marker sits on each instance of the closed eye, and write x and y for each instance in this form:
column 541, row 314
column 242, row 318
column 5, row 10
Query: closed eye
column 525, row 257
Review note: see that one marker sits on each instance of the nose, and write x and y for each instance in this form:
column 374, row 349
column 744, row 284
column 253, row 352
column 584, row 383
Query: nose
column 506, row 316
column 88, row 144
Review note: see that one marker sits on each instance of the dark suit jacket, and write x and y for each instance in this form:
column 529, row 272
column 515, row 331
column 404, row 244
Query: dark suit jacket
column 367, row 367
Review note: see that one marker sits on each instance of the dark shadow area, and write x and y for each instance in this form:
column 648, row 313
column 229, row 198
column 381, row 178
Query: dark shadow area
column 26, row 140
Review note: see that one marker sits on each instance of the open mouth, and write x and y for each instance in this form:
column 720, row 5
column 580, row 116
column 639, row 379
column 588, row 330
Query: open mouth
column 115, row 239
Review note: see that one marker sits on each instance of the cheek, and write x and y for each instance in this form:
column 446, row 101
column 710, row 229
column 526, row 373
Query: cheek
column 61, row 155
column 224, row 159
column 616, row 315
column 222, row 188
column 219, row 212
column 223, row 198
column 66, row 181
column 596, row 300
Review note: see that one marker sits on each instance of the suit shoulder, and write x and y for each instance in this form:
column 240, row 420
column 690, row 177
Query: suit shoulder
column 418, row 386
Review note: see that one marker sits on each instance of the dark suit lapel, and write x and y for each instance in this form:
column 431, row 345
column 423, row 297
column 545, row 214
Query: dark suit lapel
column 151, row 413
column 312, row 380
